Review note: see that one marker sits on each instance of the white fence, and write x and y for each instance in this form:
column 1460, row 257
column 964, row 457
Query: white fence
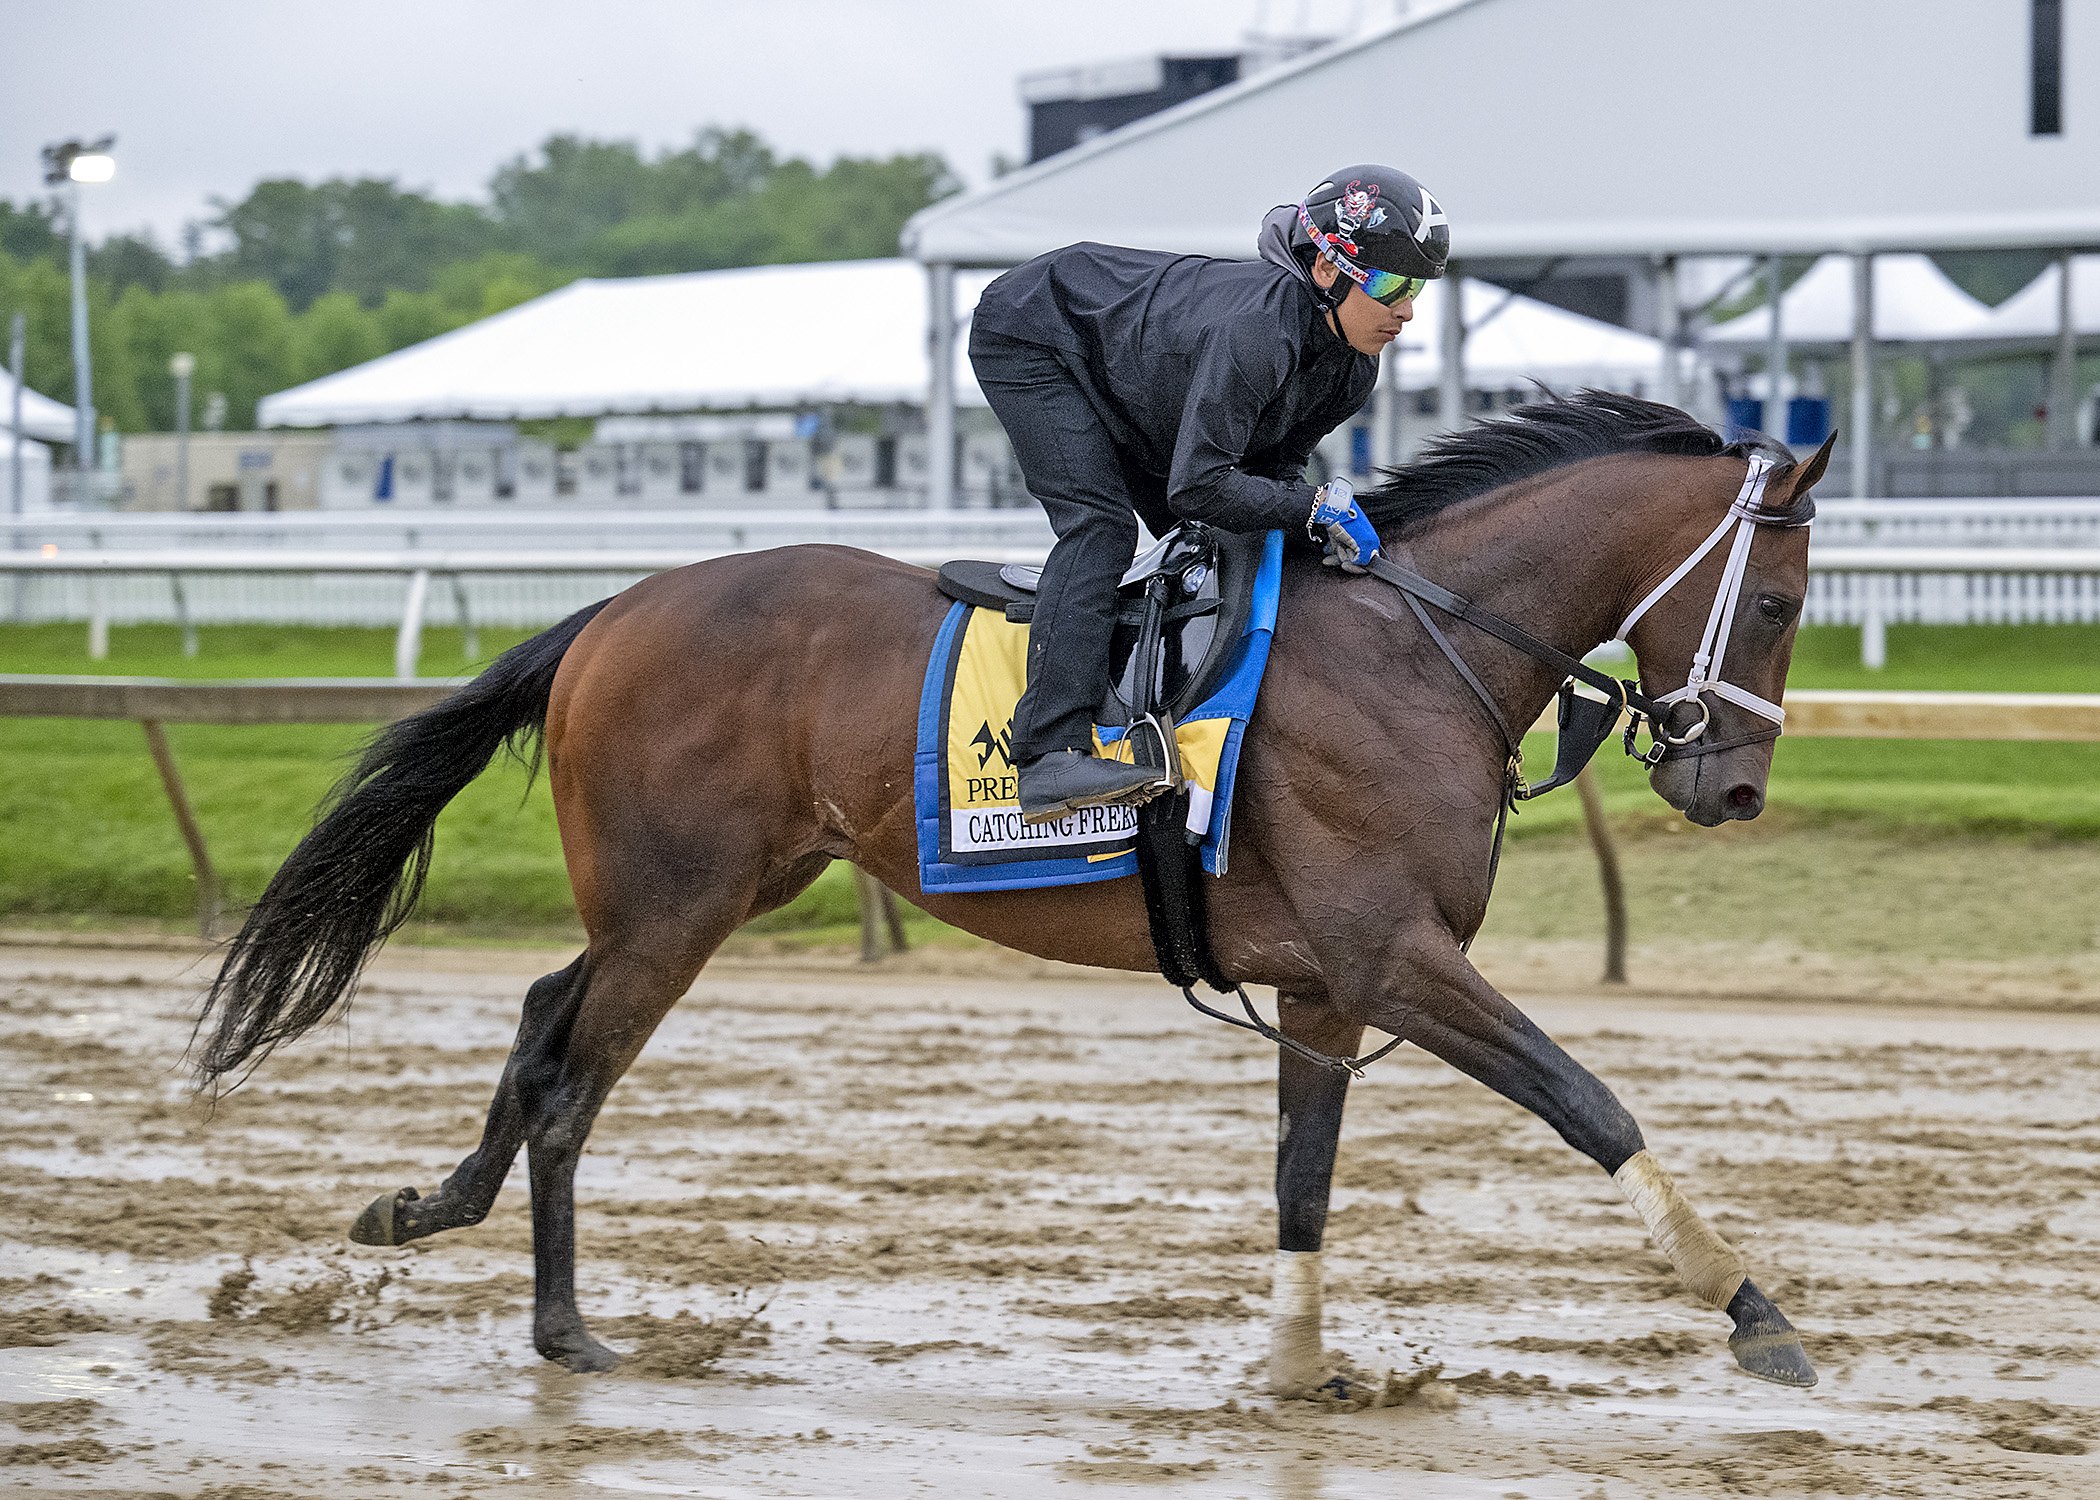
column 1958, row 523
column 1874, row 562
column 696, row 531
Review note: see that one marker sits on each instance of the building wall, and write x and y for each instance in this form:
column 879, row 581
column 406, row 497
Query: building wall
column 228, row 470
column 1058, row 124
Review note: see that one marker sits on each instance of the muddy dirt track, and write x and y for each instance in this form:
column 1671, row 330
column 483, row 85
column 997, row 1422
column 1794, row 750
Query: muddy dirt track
column 897, row 1234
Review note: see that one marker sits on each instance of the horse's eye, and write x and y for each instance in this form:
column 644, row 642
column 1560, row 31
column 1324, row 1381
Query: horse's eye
column 1774, row 609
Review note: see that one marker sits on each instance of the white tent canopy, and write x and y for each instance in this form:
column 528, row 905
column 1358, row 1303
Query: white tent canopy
column 767, row 336
column 1548, row 129
column 1914, row 302
column 1513, row 340
column 2032, row 313
column 41, row 416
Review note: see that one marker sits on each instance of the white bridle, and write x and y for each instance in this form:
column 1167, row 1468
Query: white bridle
column 1705, row 676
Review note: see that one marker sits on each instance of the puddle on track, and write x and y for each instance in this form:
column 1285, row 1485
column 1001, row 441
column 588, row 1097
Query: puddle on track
column 1011, row 1237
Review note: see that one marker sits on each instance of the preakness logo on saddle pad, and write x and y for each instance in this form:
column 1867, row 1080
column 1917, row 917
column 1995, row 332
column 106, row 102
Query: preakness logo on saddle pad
column 982, row 794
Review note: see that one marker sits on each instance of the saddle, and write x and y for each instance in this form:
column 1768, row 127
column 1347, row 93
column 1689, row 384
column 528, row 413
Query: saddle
column 1180, row 610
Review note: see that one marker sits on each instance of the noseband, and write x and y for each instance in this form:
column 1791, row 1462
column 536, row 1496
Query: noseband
column 1586, row 722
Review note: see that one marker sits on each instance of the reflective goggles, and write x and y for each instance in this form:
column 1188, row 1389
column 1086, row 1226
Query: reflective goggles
column 1379, row 286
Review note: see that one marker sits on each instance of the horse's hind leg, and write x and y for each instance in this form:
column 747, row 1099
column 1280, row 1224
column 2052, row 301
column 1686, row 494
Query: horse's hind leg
column 560, row 1088
column 466, row 1196
column 1309, row 1100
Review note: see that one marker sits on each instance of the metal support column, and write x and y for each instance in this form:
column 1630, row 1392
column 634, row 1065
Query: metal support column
column 17, row 346
column 1775, row 356
column 1451, row 345
column 2063, row 373
column 941, row 490
column 1862, row 435
column 1669, row 328
column 1385, row 410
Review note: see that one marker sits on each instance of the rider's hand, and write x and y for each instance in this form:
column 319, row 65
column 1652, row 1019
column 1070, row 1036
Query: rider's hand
column 1351, row 542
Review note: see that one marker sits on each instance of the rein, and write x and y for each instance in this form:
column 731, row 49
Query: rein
column 1585, row 722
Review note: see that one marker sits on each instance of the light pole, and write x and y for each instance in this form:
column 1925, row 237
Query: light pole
column 180, row 367
column 76, row 162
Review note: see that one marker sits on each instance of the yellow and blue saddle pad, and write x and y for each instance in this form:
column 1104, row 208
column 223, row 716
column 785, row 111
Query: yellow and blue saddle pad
column 965, row 792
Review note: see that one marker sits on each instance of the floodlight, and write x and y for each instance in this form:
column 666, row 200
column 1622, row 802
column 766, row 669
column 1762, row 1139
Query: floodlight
column 93, row 167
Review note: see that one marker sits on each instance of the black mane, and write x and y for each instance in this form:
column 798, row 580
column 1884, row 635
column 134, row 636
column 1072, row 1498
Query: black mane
column 1533, row 438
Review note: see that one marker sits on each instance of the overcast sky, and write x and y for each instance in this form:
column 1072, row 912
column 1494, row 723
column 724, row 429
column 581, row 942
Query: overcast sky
column 206, row 97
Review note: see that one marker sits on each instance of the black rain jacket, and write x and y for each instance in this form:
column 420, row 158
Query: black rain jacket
column 1214, row 377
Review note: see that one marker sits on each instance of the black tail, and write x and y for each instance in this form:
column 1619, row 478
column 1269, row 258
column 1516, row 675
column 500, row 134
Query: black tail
column 354, row 879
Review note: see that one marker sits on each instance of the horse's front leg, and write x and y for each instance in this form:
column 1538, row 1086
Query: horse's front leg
column 1435, row 998
column 1309, row 1100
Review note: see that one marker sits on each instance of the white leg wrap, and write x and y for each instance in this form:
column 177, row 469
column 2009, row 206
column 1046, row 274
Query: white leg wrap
column 1294, row 1322
column 1709, row 1264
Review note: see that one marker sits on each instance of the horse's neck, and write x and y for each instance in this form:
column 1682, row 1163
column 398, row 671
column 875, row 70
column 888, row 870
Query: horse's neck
column 1556, row 554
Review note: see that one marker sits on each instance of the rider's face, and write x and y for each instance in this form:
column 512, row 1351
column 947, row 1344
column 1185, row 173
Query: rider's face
column 1368, row 326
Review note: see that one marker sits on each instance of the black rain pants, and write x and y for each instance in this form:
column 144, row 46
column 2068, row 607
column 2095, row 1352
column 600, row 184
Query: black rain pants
column 1093, row 493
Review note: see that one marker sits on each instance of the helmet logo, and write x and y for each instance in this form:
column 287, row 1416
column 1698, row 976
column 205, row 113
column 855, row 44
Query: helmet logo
column 1432, row 216
column 1357, row 209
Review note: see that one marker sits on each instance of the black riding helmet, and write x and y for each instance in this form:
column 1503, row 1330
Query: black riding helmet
column 1379, row 227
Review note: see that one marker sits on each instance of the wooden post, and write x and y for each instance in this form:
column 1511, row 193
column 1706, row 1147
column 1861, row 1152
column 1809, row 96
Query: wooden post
column 192, row 835
column 893, row 914
column 868, row 889
column 1608, row 875
column 880, row 917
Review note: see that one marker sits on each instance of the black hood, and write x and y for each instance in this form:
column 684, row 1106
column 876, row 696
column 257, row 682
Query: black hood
column 1274, row 243
column 1280, row 243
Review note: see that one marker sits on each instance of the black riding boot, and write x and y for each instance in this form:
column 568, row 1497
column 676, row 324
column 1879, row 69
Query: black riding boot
column 1063, row 781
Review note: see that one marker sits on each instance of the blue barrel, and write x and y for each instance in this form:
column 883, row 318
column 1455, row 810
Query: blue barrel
column 1807, row 421
column 1746, row 415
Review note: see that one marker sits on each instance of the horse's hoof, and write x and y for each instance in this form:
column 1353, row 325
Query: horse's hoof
column 582, row 1354
column 375, row 1226
column 1777, row 1357
column 1764, row 1342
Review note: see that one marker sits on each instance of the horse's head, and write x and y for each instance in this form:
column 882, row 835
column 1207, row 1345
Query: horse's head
column 1737, row 641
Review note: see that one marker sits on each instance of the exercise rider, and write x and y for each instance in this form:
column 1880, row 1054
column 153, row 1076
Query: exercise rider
column 1138, row 384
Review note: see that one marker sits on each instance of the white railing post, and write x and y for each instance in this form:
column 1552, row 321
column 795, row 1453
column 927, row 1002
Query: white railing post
column 98, row 621
column 1873, row 625
column 182, row 615
column 408, row 644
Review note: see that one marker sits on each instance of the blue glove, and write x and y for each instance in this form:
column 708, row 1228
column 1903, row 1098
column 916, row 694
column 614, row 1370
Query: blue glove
column 1351, row 541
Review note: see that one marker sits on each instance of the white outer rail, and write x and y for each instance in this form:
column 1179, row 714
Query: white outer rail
column 418, row 566
column 1875, row 585
column 2065, row 581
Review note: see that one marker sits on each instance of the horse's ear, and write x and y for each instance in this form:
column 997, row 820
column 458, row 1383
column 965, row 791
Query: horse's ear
column 1802, row 477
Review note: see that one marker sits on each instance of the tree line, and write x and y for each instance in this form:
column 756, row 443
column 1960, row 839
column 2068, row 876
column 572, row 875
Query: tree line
column 307, row 279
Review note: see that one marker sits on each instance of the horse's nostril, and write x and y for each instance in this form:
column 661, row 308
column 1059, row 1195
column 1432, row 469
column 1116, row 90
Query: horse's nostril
column 1744, row 795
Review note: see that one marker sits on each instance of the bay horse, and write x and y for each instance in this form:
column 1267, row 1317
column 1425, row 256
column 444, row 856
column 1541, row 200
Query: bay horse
column 717, row 735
